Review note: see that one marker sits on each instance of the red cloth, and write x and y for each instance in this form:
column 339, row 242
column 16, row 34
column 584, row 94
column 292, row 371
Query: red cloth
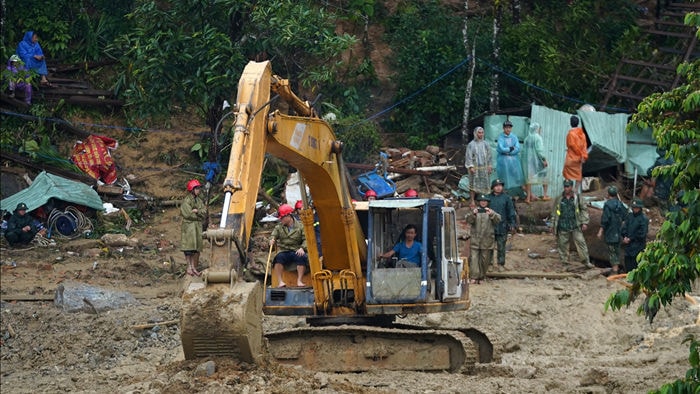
column 94, row 158
column 576, row 154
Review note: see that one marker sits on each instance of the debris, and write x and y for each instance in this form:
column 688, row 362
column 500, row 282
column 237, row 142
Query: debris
column 151, row 325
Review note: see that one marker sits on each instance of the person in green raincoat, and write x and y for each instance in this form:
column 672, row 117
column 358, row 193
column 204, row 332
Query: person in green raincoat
column 193, row 213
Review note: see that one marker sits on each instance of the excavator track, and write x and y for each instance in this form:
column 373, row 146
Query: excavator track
column 364, row 348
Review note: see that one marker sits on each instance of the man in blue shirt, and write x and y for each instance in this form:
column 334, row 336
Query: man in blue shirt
column 408, row 250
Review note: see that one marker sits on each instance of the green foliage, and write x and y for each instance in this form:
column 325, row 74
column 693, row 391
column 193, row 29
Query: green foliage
column 68, row 31
column 361, row 140
column 559, row 45
column 426, row 41
column 668, row 267
column 176, row 57
column 300, row 37
column 691, row 383
column 201, row 149
column 44, row 152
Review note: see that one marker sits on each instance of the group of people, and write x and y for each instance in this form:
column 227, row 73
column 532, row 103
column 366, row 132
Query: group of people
column 618, row 226
column 491, row 222
column 519, row 176
column 29, row 58
column 495, row 215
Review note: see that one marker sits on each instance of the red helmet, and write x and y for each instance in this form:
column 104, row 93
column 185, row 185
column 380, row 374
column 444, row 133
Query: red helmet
column 370, row 193
column 284, row 210
column 299, row 205
column 411, row 193
column 192, row 184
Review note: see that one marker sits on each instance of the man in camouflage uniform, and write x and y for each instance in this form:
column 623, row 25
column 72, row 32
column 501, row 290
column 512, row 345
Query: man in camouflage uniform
column 614, row 213
column 570, row 220
column 502, row 203
column 291, row 242
column 482, row 220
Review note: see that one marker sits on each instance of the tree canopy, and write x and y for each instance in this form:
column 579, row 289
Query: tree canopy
column 670, row 265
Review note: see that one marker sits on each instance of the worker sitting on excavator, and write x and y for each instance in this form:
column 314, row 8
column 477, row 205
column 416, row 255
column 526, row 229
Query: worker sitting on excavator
column 408, row 250
column 291, row 241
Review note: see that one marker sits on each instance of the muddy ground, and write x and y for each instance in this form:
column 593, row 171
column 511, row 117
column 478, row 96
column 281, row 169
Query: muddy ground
column 550, row 335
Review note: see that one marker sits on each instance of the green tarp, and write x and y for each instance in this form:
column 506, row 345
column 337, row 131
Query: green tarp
column 46, row 186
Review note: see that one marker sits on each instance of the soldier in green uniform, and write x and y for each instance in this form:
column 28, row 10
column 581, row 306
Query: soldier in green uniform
column 291, row 241
column 502, row 203
column 614, row 213
column 570, row 220
column 634, row 234
column 483, row 220
column 20, row 228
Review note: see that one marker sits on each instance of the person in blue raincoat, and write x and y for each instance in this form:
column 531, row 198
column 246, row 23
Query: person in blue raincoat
column 32, row 55
column 508, row 165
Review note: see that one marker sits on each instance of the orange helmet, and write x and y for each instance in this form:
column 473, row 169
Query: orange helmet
column 411, row 193
column 370, row 193
column 192, row 184
column 284, row 210
column 299, row 205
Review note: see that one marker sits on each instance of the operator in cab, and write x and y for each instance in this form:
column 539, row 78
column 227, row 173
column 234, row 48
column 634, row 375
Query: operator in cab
column 291, row 241
column 407, row 250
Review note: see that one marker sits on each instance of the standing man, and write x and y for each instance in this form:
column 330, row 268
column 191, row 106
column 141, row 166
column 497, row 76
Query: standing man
column 576, row 153
column 478, row 163
column 291, row 241
column 507, row 162
column 20, row 228
column 570, row 220
column 634, row 234
column 482, row 221
column 193, row 212
column 503, row 205
column 614, row 213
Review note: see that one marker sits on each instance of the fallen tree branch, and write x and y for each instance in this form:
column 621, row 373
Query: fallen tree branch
column 151, row 325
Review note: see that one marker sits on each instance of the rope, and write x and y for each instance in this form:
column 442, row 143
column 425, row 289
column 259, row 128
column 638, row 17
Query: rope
column 71, row 217
column 40, row 240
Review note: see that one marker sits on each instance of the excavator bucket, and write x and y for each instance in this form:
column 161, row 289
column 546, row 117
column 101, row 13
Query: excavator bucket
column 222, row 320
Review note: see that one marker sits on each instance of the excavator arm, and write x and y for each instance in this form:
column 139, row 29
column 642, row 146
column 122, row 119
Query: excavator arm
column 307, row 143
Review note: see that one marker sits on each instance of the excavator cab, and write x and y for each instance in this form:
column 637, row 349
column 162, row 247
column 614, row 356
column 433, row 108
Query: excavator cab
column 438, row 276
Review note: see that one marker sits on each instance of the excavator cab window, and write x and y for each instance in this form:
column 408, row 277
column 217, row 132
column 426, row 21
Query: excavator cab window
column 387, row 220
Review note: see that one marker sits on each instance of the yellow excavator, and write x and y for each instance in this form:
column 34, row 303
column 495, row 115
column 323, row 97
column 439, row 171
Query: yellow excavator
column 354, row 295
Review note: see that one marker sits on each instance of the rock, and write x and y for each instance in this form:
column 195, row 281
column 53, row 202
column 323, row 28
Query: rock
column 94, row 252
column 118, row 240
column 205, row 369
column 76, row 297
column 525, row 372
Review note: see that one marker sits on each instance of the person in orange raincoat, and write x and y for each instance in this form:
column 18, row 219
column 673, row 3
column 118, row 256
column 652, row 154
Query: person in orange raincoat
column 576, row 153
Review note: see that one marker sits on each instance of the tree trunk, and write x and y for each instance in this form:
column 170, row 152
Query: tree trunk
column 494, row 100
column 468, row 88
column 515, row 9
